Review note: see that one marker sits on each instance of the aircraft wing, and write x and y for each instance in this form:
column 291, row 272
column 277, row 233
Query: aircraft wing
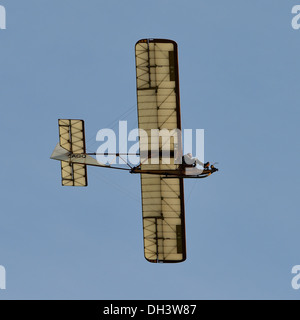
column 159, row 108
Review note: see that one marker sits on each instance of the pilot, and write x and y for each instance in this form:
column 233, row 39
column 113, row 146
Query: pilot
column 189, row 160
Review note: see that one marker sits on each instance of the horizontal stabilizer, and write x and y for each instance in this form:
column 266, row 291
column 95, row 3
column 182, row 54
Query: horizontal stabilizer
column 71, row 140
column 73, row 174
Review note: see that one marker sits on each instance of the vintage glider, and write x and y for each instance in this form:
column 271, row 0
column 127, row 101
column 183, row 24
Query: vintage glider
column 162, row 183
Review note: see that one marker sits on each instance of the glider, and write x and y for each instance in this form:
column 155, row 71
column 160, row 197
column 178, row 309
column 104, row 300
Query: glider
column 158, row 104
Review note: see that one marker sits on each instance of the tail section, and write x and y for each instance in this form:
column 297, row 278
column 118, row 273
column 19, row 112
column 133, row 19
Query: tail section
column 71, row 152
column 73, row 174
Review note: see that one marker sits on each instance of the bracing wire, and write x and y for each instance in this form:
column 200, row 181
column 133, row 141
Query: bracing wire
column 116, row 186
column 113, row 124
column 190, row 193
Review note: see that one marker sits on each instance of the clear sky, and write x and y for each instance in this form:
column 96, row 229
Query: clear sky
column 239, row 79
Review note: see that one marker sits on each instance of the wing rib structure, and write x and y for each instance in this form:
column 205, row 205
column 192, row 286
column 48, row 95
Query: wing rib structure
column 71, row 138
column 159, row 108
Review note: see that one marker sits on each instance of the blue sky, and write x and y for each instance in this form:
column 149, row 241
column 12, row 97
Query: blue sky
column 239, row 80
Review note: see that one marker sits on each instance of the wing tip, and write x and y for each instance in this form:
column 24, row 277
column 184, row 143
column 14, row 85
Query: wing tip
column 145, row 40
column 165, row 261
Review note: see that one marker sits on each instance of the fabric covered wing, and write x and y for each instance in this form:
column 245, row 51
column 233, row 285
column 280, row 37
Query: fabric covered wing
column 163, row 219
column 71, row 138
column 159, row 108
